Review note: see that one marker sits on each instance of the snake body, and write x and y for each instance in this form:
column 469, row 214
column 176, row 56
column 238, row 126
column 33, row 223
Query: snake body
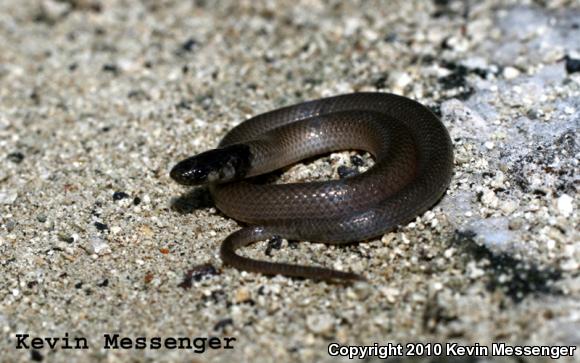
column 413, row 166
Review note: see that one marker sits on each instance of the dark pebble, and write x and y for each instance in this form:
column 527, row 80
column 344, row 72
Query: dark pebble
column 183, row 104
column 15, row 157
column 101, row 226
column 572, row 65
column 36, row 356
column 357, row 160
column 137, row 93
column 390, row 38
column 136, row 201
column 66, row 238
column 436, row 109
column 453, row 80
column 10, row 225
column 381, row 81
column 104, row 283
column 111, row 68
column 220, row 325
column 275, row 243
column 189, row 45
column 120, row 195
column 344, row 171
column 215, row 297
column 196, row 274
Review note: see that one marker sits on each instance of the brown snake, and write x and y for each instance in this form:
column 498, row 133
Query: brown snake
column 413, row 167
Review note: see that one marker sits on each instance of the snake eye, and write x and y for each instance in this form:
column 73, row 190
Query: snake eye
column 216, row 166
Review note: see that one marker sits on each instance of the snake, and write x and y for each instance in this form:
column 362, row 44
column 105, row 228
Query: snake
column 413, row 166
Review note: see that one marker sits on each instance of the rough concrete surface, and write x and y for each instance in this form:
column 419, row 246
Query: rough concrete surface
column 99, row 98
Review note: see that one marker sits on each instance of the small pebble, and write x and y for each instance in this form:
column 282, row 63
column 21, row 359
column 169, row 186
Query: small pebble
column 569, row 110
column 66, row 237
column 489, row 199
column 565, row 205
column 8, row 197
column 242, row 295
column 498, row 180
column 572, row 65
column 222, row 324
column 357, row 160
column 36, row 355
column 390, row 293
column 569, row 265
column 120, row 195
column 436, row 286
column 189, row 45
column 101, row 227
column 111, row 68
column 320, row 324
column 15, row 157
column 345, row 171
column 510, row 73
column 275, row 243
column 508, row 206
column 197, row 273
column 401, row 80
column 99, row 246
column 10, row 225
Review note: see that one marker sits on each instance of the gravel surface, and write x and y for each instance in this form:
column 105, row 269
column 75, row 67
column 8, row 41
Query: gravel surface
column 100, row 98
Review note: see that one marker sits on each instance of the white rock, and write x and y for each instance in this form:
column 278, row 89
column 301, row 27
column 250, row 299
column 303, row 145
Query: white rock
column 510, row 72
column 458, row 43
column 489, row 199
column 565, row 205
column 54, row 10
column 8, row 196
column 400, row 80
column 390, row 293
column 498, row 181
column 469, row 120
column 509, row 206
column 569, row 265
column 320, row 324
column 449, row 252
column 474, row 271
column 99, row 246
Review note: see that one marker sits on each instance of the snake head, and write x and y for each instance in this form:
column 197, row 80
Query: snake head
column 214, row 166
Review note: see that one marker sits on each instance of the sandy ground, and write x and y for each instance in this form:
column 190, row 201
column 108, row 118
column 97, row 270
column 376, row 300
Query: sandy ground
column 99, row 99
